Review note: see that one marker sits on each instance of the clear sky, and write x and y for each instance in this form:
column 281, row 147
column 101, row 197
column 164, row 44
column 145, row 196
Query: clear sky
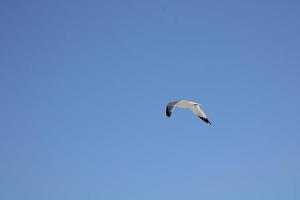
column 84, row 85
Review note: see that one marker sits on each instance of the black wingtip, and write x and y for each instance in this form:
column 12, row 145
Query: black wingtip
column 205, row 120
column 168, row 113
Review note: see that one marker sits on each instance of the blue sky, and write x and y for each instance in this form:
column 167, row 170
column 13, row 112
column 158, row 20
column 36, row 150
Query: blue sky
column 84, row 86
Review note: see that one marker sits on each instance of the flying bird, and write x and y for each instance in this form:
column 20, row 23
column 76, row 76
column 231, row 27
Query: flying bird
column 193, row 106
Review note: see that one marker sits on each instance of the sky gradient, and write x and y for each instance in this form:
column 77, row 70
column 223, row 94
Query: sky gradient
column 84, row 85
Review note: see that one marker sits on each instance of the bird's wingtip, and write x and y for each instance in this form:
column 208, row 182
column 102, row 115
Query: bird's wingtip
column 168, row 113
column 205, row 120
column 208, row 122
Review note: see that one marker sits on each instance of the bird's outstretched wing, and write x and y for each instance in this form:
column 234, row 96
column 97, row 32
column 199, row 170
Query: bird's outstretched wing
column 200, row 113
column 170, row 107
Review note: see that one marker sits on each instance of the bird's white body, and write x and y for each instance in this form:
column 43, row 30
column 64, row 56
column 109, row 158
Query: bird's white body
column 186, row 104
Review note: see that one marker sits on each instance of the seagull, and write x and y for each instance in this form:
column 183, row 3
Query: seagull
column 195, row 107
